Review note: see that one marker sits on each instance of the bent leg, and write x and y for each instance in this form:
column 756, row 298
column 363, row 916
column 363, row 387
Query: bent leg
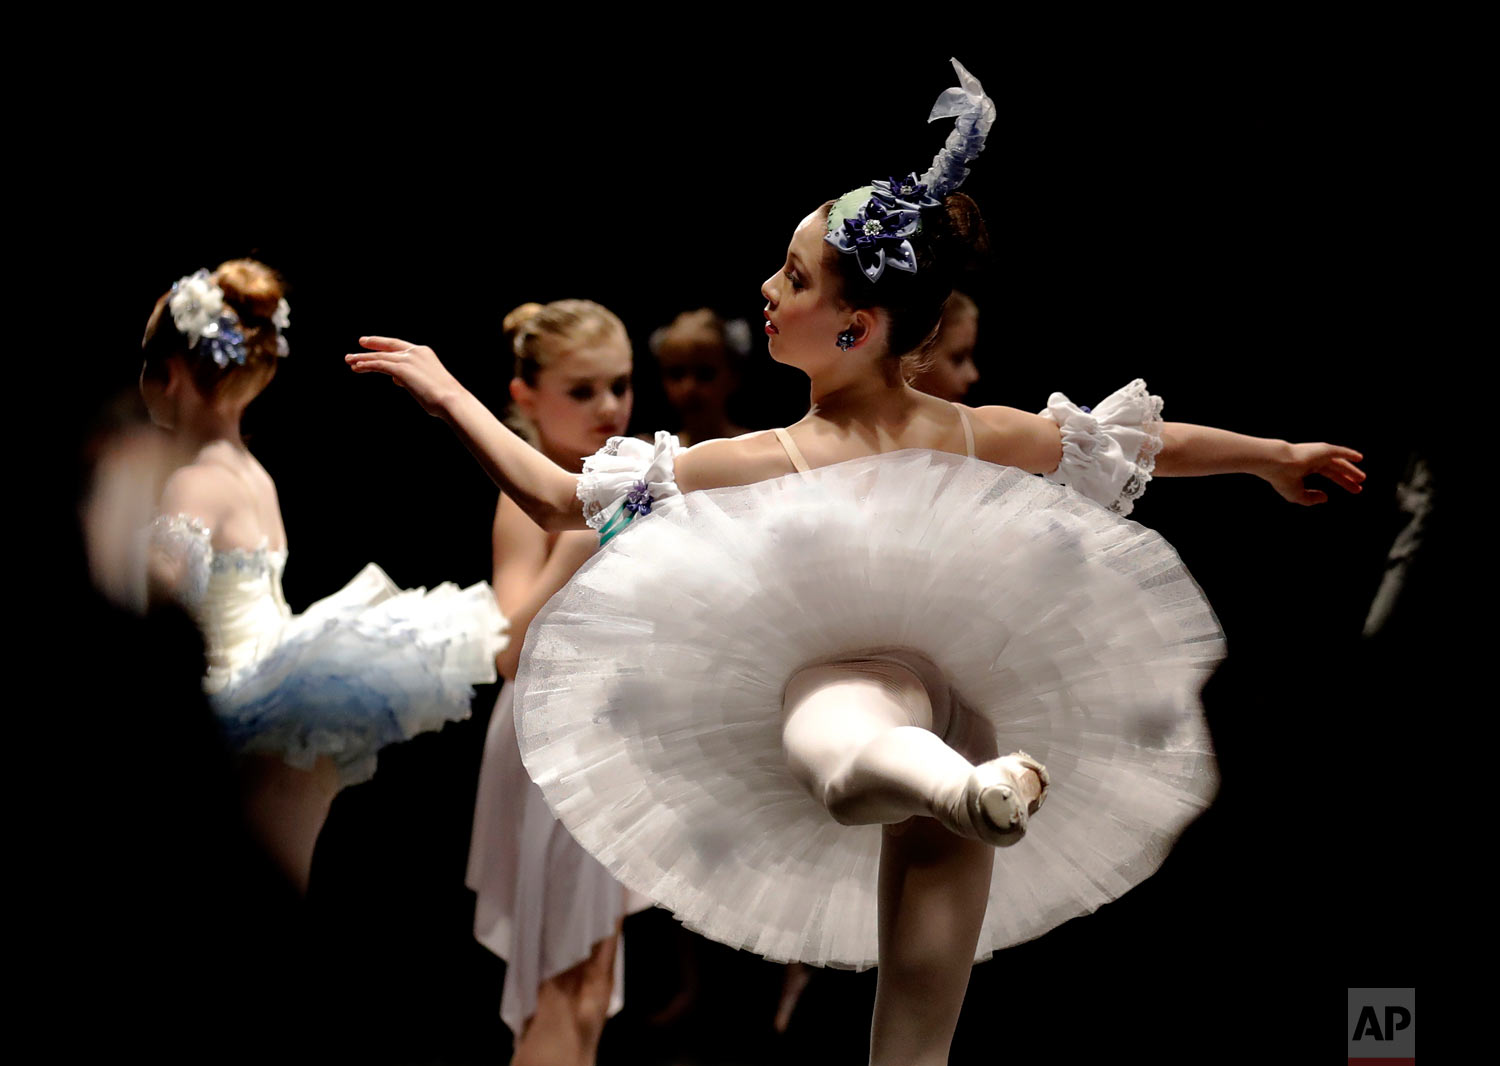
column 862, row 737
column 858, row 736
column 934, row 888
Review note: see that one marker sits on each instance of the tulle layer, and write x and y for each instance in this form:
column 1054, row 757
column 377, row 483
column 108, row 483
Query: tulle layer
column 649, row 698
column 370, row 665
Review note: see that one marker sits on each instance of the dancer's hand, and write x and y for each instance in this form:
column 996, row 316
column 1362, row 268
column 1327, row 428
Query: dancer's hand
column 414, row 367
column 1336, row 463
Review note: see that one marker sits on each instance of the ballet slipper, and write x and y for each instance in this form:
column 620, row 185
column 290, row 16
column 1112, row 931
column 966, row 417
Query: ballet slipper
column 992, row 807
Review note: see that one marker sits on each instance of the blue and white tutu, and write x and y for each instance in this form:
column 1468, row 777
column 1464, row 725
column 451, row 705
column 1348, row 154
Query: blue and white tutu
column 370, row 665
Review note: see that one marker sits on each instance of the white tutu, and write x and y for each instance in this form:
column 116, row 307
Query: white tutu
column 650, row 693
column 543, row 902
column 370, row 665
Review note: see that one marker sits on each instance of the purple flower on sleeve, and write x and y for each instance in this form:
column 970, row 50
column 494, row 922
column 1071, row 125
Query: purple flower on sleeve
column 639, row 499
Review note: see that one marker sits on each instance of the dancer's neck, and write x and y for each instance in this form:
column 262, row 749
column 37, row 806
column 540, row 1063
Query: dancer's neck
column 201, row 425
column 873, row 393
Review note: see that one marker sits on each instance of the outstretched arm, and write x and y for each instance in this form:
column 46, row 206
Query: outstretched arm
column 1192, row 451
column 1111, row 452
column 541, row 488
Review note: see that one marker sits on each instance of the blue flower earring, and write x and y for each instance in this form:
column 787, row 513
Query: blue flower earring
column 846, row 340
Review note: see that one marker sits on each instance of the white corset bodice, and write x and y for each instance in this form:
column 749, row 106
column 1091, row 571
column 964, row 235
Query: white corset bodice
column 368, row 666
column 234, row 595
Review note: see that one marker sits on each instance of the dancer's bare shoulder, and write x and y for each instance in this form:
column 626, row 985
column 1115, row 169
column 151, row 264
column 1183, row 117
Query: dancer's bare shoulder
column 216, row 494
column 744, row 460
column 1011, row 437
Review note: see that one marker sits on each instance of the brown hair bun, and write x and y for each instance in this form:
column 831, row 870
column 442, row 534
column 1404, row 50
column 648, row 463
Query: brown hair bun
column 250, row 287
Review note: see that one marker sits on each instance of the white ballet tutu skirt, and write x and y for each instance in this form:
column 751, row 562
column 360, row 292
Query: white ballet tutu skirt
column 543, row 902
column 649, row 698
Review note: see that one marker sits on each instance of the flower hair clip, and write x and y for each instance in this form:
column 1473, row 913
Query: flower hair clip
column 876, row 229
column 211, row 326
column 875, row 223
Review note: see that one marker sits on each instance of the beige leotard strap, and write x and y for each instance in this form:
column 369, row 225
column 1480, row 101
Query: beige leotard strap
column 792, row 451
column 963, row 416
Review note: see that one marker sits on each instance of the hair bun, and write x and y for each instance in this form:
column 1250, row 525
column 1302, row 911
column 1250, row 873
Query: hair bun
column 250, row 287
column 964, row 241
column 518, row 319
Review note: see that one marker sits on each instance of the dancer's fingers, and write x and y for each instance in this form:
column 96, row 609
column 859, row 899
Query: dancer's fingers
column 1346, row 477
column 1349, row 468
column 1339, row 477
column 1312, row 497
column 385, row 344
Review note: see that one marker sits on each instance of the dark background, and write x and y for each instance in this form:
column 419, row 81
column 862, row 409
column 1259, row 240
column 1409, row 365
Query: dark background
column 1249, row 229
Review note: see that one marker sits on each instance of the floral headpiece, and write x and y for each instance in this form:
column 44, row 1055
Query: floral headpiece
column 876, row 222
column 211, row 326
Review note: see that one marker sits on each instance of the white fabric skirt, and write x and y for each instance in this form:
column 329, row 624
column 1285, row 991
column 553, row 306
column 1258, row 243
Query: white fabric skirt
column 649, row 697
column 543, row 901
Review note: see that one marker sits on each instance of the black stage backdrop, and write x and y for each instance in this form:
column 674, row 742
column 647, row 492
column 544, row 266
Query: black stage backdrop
column 1239, row 234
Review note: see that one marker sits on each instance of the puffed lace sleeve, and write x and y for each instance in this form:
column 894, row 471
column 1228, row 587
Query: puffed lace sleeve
column 184, row 544
column 1110, row 451
column 625, row 479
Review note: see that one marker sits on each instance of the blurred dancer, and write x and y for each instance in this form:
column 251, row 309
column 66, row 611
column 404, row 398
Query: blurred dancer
column 947, row 371
column 307, row 701
column 699, row 356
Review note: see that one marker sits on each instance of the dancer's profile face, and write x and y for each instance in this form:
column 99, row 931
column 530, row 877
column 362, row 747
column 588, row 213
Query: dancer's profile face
column 582, row 397
column 804, row 312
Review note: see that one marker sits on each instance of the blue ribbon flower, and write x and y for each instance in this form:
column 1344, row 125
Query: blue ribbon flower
column 638, row 502
column 877, row 232
column 224, row 342
column 639, row 499
column 906, row 192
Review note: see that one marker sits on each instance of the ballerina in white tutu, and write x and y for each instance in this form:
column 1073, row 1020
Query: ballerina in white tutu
column 306, row 700
column 777, row 704
column 544, row 904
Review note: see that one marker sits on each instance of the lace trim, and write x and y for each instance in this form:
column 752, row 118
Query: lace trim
column 593, row 508
column 1145, row 460
column 187, row 535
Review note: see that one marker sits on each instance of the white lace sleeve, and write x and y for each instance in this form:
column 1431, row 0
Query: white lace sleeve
column 628, row 474
column 1109, row 452
column 187, row 543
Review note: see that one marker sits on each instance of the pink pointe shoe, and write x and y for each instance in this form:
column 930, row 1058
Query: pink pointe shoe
column 994, row 799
